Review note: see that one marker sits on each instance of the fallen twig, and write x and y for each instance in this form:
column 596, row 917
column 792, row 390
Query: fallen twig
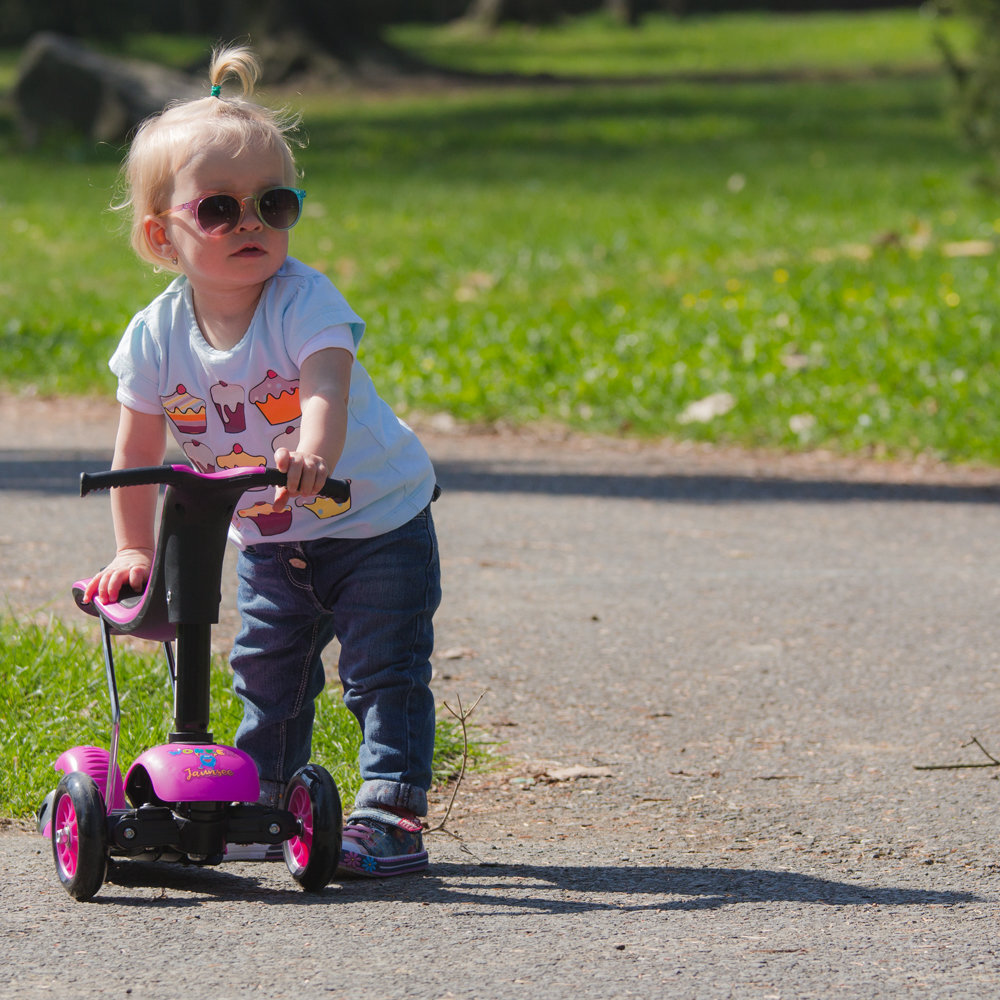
column 981, row 747
column 462, row 715
column 993, row 762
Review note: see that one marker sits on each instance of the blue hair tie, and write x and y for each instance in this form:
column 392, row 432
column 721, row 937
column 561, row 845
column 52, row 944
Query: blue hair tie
column 216, row 90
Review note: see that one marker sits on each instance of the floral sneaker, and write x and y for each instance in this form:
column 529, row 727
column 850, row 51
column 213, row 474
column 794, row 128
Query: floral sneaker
column 378, row 843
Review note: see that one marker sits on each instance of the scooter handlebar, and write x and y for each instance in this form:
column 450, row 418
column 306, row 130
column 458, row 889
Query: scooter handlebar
column 183, row 475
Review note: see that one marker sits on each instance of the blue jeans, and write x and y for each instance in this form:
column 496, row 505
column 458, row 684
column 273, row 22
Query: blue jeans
column 378, row 597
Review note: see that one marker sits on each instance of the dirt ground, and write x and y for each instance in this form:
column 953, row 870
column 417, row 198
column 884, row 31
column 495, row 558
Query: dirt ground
column 716, row 676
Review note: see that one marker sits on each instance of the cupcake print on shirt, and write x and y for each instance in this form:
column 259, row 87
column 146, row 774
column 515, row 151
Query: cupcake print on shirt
column 239, row 459
column 266, row 519
column 200, row 455
column 288, row 438
column 277, row 399
column 229, row 402
column 323, row 507
column 186, row 412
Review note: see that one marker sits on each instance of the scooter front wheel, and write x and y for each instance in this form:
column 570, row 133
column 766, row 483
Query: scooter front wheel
column 79, row 835
column 313, row 855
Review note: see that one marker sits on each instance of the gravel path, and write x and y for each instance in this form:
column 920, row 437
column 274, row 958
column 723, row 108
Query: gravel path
column 716, row 675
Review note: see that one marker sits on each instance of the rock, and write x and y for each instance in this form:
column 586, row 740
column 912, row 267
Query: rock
column 64, row 86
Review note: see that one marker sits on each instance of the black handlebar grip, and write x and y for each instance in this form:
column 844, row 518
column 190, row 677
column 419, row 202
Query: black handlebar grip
column 336, row 489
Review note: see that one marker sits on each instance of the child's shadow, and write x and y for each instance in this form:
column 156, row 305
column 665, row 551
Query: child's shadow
column 586, row 888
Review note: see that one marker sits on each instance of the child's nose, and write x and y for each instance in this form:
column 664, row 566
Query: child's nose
column 249, row 216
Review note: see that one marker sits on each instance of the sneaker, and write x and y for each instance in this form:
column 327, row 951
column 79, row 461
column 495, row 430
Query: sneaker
column 254, row 852
column 379, row 843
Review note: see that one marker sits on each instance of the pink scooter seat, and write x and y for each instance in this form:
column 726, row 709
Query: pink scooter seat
column 176, row 591
column 143, row 615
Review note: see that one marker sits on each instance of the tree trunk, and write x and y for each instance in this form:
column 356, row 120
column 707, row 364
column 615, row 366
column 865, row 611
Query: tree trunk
column 326, row 38
column 486, row 14
column 623, row 11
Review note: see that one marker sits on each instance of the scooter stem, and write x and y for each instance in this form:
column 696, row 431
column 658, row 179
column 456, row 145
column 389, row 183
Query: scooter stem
column 193, row 684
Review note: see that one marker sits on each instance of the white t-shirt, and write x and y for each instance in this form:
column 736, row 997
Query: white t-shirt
column 236, row 407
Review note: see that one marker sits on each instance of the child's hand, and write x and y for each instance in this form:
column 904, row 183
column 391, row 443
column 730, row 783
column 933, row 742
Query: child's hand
column 307, row 474
column 130, row 567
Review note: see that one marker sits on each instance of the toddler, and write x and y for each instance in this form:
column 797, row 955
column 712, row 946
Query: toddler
column 248, row 358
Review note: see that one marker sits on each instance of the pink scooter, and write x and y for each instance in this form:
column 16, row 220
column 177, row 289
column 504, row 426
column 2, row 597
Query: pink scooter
column 188, row 799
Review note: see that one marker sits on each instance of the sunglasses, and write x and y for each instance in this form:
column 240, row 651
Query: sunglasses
column 219, row 214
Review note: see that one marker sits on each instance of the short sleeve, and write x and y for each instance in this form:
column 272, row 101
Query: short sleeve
column 136, row 363
column 333, row 336
column 310, row 313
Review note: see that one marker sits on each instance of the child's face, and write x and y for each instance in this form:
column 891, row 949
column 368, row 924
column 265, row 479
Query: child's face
column 240, row 260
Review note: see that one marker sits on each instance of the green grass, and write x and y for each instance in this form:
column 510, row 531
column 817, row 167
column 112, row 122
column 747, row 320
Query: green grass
column 53, row 695
column 606, row 255
column 723, row 43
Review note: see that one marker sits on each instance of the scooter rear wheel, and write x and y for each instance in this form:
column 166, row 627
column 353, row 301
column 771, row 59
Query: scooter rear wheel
column 312, row 856
column 79, row 835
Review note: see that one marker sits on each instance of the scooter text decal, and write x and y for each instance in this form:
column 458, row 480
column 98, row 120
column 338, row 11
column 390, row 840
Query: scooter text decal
column 208, row 758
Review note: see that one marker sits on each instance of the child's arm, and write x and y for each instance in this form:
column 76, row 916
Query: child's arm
column 324, row 387
column 141, row 441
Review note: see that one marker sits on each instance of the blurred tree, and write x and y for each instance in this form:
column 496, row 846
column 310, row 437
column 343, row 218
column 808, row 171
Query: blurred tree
column 623, row 11
column 484, row 13
column 320, row 37
column 977, row 77
column 487, row 14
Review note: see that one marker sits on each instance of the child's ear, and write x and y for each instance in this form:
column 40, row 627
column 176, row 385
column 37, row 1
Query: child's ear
column 157, row 237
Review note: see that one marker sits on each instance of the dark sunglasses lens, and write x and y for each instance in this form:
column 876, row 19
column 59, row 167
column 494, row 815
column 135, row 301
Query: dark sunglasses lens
column 279, row 208
column 218, row 214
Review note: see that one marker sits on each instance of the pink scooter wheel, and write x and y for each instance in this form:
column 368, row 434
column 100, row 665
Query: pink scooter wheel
column 79, row 835
column 312, row 856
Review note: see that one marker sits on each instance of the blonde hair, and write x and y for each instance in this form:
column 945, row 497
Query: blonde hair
column 166, row 141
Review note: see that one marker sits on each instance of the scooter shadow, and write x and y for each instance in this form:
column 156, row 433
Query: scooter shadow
column 190, row 885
